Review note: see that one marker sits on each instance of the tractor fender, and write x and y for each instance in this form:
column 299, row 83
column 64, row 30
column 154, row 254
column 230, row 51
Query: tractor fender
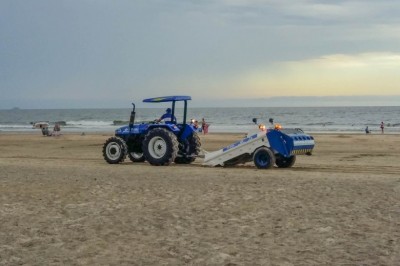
column 187, row 132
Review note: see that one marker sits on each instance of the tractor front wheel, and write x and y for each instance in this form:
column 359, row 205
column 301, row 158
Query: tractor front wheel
column 115, row 150
column 160, row 147
column 264, row 158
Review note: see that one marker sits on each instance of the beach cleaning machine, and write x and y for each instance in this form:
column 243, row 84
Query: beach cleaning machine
column 164, row 143
column 266, row 147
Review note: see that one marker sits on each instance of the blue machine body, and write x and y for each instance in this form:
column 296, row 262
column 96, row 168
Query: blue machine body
column 290, row 142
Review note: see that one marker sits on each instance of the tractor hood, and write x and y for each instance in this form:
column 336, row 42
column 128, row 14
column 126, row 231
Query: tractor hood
column 143, row 128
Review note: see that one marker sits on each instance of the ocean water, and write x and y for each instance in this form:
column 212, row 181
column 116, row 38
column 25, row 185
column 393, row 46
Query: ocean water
column 234, row 120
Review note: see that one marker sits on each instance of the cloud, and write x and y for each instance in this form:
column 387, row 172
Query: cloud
column 330, row 75
column 306, row 12
column 96, row 52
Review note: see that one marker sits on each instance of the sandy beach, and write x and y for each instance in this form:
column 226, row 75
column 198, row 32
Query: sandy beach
column 62, row 204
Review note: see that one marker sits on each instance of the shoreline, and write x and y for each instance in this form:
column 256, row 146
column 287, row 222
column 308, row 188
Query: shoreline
column 101, row 132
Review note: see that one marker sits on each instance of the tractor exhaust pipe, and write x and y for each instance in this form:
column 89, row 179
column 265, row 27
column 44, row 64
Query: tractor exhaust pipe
column 132, row 118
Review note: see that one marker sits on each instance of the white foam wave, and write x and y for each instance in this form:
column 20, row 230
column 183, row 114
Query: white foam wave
column 88, row 123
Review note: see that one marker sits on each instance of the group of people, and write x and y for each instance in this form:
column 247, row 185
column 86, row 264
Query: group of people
column 46, row 132
column 382, row 126
column 202, row 128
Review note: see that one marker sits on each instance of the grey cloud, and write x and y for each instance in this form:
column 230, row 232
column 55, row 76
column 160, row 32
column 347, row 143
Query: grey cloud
column 121, row 49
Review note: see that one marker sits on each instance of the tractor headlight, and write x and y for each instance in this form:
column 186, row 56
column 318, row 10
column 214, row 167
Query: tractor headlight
column 278, row 127
column 261, row 127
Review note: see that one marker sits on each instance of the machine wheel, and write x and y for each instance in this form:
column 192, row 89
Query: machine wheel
column 283, row 162
column 136, row 157
column 160, row 147
column 115, row 150
column 264, row 158
column 193, row 151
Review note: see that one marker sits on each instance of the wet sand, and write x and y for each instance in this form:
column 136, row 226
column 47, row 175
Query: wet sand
column 62, row 204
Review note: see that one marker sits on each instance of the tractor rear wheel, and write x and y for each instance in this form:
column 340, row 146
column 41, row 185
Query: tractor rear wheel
column 283, row 162
column 264, row 158
column 193, row 150
column 115, row 150
column 160, row 147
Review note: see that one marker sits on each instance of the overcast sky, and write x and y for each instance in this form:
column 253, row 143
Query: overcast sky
column 103, row 53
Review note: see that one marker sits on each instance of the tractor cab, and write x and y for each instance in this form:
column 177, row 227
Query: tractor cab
column 171, row 122
column 173, row 100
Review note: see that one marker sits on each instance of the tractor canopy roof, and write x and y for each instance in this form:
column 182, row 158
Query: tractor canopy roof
column 167, row 99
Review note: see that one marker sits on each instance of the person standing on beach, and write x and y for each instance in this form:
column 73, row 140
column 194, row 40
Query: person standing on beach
column 204, row 126
column 56, row 130
column 45, row 130
column 382, row 127
column 194, row 123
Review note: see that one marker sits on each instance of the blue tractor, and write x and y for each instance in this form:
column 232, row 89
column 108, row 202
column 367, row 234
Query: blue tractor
column 159, row 143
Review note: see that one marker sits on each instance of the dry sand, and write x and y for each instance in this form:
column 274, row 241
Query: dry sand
column 62, row 204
